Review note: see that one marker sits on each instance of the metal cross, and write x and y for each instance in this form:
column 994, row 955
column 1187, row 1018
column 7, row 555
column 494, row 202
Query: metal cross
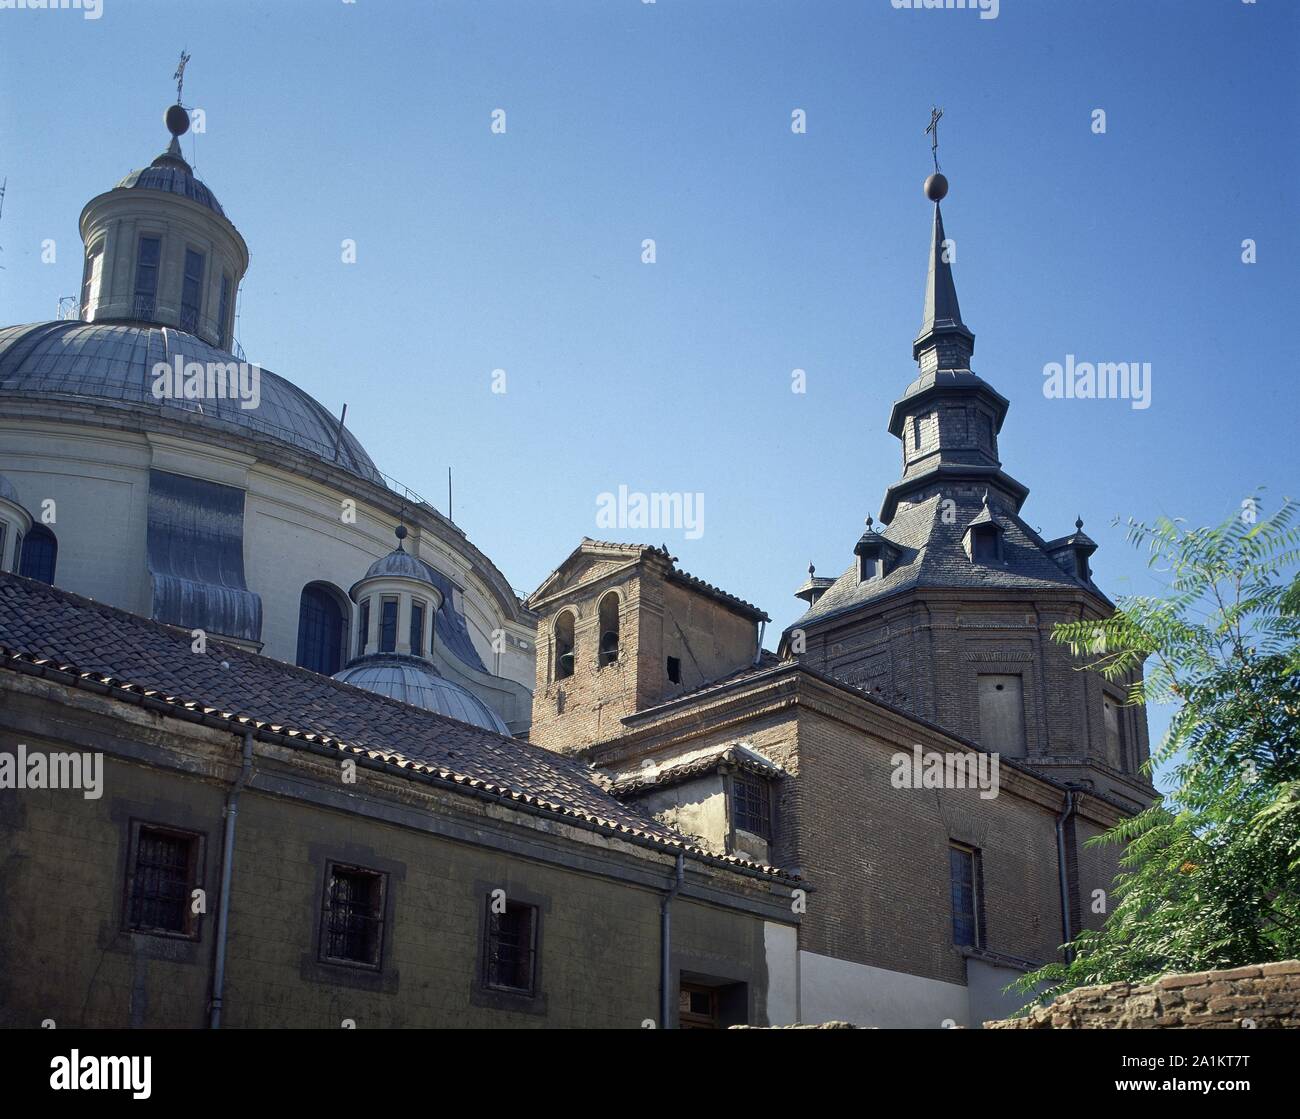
column 932, row 130
column 179, row 76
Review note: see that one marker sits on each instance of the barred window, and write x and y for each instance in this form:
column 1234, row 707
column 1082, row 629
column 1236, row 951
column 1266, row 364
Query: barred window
column 163, row 874
column 352, row 917
column 963, row 869
column 510, row 950
column 752, row 804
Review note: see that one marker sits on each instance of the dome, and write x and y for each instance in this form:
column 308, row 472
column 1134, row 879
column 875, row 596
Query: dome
column 171, row 173
column 399, row 563
column 412, row 681
column 109, row 365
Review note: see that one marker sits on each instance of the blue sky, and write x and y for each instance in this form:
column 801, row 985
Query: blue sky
column 775, row 251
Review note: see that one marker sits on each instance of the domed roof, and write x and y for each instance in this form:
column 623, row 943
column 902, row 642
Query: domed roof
column 400, row 563
column 171, row 173
column 109, row 365
column 413, row 681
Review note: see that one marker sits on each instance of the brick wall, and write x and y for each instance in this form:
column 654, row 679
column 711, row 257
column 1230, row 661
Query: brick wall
column 1264, row 996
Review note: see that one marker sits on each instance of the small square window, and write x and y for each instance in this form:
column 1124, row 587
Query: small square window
column 352, row 916
column 162, row 876
column 510, row 947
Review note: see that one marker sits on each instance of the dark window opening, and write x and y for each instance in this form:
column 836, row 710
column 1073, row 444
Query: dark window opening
column 697, row 1008
column 388, row 626
column 564, row 645
column 352, row 917
column 146, row 276
column 192, row 291
column 417, row 629
column 984, row 545
column 320, row 631
column 40, row 554
column 364, row 628
column 751, row 798
column 510, row 951
column 163, row 876
column 963, row 870
column 674, row 670
column 609, row 629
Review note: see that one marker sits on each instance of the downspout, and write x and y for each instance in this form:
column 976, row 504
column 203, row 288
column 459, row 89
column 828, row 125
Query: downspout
column 758, row 652
column 665, row 944
column 1062, row 872
column 227, row 859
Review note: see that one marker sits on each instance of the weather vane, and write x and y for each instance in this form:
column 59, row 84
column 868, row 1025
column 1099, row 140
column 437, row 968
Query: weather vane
column 932, row 130
column 179, row 76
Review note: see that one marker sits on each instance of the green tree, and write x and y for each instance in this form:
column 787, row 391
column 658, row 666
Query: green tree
column 1210, row 874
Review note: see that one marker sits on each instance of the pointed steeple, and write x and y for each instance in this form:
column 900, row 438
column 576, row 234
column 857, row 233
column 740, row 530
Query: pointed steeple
column 949, row 418
column 943, row 337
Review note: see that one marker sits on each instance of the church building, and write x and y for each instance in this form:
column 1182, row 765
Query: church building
column 279, row 746
column 860, row 756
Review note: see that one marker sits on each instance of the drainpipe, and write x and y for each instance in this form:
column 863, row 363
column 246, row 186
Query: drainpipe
column 665, row 942
column 1063, row 874
column 227, row 858
column 758, row 652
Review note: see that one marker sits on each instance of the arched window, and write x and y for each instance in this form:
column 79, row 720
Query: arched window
column 321, row 629
column 609, row 629
column 40, row 553
column 564, row 645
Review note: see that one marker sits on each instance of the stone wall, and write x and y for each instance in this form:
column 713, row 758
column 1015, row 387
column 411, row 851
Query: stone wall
column 1262, row 996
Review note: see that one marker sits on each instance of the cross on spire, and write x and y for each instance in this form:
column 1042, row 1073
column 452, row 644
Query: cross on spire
column 932, row 130
column 179, row 76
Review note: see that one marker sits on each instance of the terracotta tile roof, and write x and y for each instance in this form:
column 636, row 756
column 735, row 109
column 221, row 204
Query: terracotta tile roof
column 677, row 770
column 89, row 644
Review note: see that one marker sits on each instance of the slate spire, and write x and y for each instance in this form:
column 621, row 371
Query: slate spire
column 943, row 339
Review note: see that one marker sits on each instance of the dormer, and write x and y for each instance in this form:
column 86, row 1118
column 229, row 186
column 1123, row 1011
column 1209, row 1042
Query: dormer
column 1072, row 553
column 876, row 555
column 982, row 540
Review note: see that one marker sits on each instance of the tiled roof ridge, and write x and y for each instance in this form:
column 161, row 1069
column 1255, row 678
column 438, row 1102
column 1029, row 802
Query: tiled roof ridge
column 197, row 710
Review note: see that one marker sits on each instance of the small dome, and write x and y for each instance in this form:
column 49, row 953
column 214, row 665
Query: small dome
column 400, row 563
column 171, row 173
column 412, row 681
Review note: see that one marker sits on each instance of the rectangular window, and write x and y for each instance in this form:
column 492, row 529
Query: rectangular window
column 223, row 315
column 963, row 869
column 352, row 916
column 1002, row 714
column 510, row 950
column 752, row 804
column 388, row 626
column 90, row 284
column 674, row 670
column 364, row 635
column 162, row 876
column 417, row 629
column 192, row 290
column 1114, row 732
column 146, row 276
